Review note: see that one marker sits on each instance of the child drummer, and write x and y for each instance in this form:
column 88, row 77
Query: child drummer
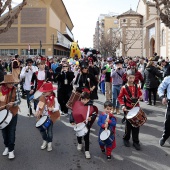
column 107, row 121
column 9, row 99
column 47, row 106
column 129, row 96
column 79, row 116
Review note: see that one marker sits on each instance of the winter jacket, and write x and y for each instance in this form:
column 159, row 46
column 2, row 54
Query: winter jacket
column 151, row 75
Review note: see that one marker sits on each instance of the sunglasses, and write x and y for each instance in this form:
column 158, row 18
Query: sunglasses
column 85, row 68
column 65, row 66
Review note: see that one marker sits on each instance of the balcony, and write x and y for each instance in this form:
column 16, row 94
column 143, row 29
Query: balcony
column 62, row 40
column 68, row 34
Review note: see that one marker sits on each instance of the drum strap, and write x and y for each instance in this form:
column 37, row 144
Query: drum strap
column 88, row 112
column 128, row 90
column 9, row 100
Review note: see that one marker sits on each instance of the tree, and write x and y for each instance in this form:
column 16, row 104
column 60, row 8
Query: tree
column 109, row 44
column 7, row 19
column 128, row 37
column 163, row 7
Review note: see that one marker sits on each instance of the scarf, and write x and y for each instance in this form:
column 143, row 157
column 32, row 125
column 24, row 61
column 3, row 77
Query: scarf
column 5, row 90
column 50, row 100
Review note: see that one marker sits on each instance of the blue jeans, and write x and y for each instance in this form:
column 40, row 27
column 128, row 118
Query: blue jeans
column 47, row 135
column 116, row 91
column 102, row 86
column 8, row 134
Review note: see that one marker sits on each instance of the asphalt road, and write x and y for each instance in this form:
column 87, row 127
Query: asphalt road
column 65, row 156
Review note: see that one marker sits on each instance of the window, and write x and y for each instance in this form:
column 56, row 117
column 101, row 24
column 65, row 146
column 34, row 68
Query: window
column 163, row 37
column 7, row 52
column 124, row 20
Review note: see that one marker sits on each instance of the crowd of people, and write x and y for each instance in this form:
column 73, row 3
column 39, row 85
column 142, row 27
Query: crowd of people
column 123, row 81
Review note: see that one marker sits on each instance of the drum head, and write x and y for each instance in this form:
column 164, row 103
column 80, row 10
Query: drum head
column 41, row 121
column 79, row 126
column 133, row 112
column 104, row 135
column 3, row 114
column 37, row 94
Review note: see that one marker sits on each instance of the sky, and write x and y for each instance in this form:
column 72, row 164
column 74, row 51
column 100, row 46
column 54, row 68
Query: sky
column 84, row 15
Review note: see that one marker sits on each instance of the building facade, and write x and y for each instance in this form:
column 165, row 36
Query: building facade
column 43, row 28
column 156, row 36
column 104, row 23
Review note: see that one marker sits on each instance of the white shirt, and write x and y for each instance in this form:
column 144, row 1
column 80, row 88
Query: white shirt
column 27, row 76
column 41, row 75
column 45, row 112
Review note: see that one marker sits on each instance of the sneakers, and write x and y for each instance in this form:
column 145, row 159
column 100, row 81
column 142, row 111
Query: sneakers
column 79, row 147
column 162, row 141
column 109, row 157
column 44, row 145
column 87, row 155
column 49, row 147
column 11, row 155
column 137, row 146
column 5, row 152
column 126, row 143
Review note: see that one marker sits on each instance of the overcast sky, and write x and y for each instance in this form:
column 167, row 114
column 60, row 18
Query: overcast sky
column 84, row 15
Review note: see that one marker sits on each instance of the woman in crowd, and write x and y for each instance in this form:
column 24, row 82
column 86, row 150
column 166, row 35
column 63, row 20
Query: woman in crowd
column 65, row 87
column 151, row 75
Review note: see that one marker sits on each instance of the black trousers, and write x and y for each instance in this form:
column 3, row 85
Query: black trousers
column 150, row 91
column 86, row 140
column 135, row 132
column 166, row 133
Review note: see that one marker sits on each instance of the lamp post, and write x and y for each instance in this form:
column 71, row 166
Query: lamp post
column 53, row 38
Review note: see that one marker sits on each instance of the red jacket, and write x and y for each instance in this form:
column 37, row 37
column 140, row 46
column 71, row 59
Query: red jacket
column 123, row 93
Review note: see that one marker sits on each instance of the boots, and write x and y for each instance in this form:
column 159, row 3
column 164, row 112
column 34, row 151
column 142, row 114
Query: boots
column 11, row 155
column 117, row 111
column 49, row 147
column 44, row 145
column 5, row 152
column 79, row 147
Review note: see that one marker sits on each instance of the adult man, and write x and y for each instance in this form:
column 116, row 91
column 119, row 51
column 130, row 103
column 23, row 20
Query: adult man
column 26, row 74
column 59, row 68
column 165, row 86
column 117, row 84
column 166, row 67
column 108, row 83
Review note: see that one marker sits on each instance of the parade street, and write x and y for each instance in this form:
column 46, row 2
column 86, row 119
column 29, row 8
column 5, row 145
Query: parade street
column 65, row 156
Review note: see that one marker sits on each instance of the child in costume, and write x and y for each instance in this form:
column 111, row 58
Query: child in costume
column 79, row 115
column 47, row 106
column 129, row 95
column 107, row 121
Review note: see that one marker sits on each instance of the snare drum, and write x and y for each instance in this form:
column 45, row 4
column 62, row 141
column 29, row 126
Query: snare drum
column 107, row 137
column 136, row 117
column 5, row 118
column 75, row 96
column 81, row 129
column 43, row 123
